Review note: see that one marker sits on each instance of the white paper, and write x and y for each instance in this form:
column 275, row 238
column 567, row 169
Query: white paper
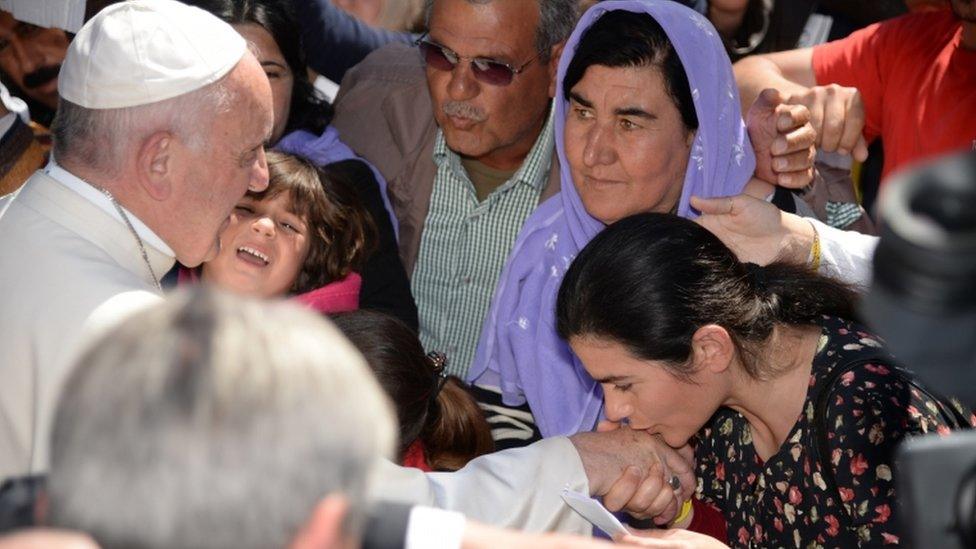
column 593, row 511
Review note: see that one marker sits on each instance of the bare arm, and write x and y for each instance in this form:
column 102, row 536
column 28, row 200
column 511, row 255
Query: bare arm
column 836, row 112
column 788, row 71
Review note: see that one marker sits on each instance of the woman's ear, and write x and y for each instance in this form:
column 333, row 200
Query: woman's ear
column 713, row 348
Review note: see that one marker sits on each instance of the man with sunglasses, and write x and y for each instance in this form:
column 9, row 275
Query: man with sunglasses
column 466, row 146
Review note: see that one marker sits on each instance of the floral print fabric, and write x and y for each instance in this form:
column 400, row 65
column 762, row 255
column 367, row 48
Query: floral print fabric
column 785, row 502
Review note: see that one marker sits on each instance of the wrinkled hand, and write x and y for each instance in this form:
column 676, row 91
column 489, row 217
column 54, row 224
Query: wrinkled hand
column 783, row 139
column 837, row 115
column 630, row 470
column 672, row 539
column 755, row 230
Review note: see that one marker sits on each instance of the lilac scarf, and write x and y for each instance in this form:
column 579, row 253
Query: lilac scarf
column 519, row 350
column 327, row 149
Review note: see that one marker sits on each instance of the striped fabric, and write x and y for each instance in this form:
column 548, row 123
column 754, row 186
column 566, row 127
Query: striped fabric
column 464, row 246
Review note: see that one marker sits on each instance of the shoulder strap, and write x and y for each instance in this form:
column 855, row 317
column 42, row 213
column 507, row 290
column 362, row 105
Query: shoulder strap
column 950, row 413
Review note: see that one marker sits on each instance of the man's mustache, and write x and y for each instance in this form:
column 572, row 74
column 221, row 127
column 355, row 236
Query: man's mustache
column 41, row 76
column 464, row 110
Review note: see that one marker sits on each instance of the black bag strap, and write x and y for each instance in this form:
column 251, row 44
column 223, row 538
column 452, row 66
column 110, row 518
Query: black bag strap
column 954, row 417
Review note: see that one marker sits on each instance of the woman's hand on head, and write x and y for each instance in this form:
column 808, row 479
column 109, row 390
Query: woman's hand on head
column 783, row 139
column 755, row 230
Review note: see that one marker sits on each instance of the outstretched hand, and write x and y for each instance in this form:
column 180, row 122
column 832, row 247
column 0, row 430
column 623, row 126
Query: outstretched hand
column 755, row 230
column 632, row 471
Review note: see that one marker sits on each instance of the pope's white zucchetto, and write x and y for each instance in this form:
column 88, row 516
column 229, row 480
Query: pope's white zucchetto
column 139, row 52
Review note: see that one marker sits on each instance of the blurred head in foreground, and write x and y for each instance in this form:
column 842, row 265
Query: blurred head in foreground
column 215, row 421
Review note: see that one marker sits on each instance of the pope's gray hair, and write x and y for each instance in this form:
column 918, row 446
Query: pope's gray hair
column 214, row 421
column 556, row 21
column 100, row 139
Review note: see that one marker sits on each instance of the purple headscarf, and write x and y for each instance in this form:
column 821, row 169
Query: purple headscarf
column 520, row 351
column 327, row 149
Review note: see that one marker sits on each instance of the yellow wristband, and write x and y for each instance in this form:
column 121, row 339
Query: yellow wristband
column 815, row 254
column 685, row 511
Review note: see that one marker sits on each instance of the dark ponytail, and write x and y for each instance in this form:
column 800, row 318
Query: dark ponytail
column 650, row 281
column 455, row 431
column 437, row 410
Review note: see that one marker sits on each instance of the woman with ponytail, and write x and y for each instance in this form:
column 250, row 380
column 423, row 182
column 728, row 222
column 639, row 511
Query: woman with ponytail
column 441, row 426
column 794, row 410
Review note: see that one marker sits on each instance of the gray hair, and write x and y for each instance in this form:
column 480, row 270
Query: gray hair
column 557, row 18
column 100, row 138
column 214, row 421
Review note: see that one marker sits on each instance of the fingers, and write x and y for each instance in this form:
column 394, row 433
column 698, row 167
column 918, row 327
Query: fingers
column 798, row 140
column 685, row 472
column 835, row 114
column 623, row 489
column 713, row 206
column 758, row 188
column 767, row 100
column 795, row 180
column 669, row 504
column 798, row 161
column 853, row 124
column 607, row 425
column 861, row 149
column 653, row 496
column 790, row 117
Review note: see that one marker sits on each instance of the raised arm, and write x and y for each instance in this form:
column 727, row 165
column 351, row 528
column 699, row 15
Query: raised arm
column 836, row 112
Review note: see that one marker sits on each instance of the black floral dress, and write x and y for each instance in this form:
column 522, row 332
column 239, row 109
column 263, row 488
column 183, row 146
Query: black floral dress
column 785, row 502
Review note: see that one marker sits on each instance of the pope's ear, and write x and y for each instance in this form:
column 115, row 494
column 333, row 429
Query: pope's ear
column 156, row 164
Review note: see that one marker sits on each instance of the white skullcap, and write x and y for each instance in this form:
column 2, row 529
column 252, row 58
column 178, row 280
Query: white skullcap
column 144, row 51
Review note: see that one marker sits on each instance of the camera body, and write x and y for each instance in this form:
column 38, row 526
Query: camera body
column 923, row 302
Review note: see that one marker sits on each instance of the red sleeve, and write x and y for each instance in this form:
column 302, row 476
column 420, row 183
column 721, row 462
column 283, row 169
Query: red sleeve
column 858, row 61
column 708, row 520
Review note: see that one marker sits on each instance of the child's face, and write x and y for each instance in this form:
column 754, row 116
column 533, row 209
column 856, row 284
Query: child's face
column 261, row 250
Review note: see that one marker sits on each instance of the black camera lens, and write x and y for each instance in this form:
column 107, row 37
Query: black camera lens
column 927, row 255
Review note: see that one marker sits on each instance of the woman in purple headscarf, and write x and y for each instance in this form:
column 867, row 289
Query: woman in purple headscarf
column 647, row 116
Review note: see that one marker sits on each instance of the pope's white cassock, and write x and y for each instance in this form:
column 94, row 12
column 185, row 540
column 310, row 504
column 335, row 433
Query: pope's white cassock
column 71, row 267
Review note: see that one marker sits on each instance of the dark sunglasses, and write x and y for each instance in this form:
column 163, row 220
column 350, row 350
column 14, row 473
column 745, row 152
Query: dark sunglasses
column 489, row 71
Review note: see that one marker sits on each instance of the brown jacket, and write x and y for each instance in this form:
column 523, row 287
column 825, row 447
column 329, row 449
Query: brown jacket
column 384, row 112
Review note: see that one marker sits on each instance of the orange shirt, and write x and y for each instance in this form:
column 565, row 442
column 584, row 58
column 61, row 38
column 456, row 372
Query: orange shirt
column 917, row 82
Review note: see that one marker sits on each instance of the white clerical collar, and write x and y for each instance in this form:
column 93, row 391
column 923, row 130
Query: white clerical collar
column 99, row 199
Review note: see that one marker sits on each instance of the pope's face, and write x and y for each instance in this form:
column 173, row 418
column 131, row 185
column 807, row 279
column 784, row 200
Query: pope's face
column 215, row 177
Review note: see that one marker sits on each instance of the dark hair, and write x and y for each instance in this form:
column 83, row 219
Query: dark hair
column 651, row 280
column 626, row 39
column 556, row 21
column 445, row 418
column 341, row 232
column 309, row 110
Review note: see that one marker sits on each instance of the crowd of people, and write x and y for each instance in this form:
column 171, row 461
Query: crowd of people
column 381, row 273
